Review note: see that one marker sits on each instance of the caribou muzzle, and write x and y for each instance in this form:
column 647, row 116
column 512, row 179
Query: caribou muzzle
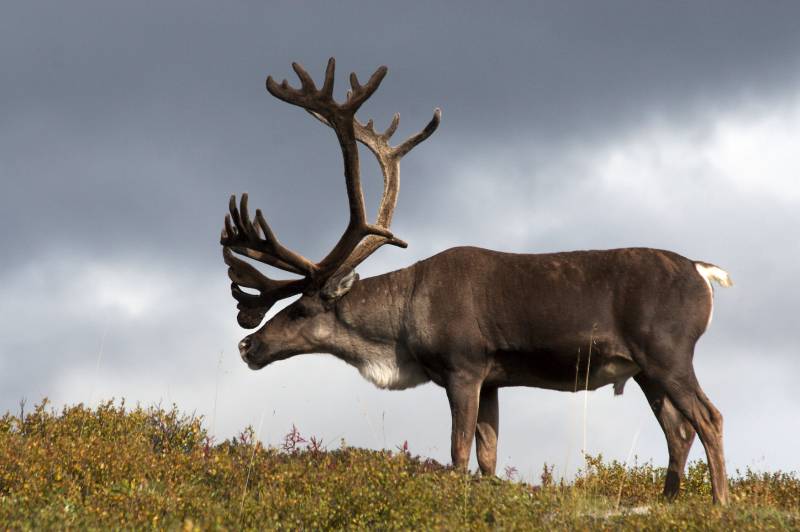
column 248, row 350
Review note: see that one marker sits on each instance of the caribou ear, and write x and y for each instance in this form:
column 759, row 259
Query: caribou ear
column 339, row 285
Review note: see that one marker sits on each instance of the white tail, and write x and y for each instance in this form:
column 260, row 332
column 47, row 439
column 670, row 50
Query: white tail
column 710, row 272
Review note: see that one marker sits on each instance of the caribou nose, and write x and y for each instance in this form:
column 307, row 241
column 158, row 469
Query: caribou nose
column 248, row 350
column 244, row 347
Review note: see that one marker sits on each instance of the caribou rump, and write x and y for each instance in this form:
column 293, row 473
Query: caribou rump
column 474, row 320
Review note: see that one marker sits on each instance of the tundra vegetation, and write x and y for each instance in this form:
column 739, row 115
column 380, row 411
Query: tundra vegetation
column 115, row 467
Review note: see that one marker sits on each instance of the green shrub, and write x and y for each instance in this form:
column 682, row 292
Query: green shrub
column 117, row 467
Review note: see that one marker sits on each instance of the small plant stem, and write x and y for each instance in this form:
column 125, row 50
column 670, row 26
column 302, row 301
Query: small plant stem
column 627, row 461
column 586, row 392
column 372, row 428
column 466, row 485
column 572, row 420
column 216, row 394
column 250, row 467
column 586, row 398
column 97, row 365
column 96, row 374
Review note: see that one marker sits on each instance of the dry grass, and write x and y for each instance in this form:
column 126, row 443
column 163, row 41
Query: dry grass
column 113, row 467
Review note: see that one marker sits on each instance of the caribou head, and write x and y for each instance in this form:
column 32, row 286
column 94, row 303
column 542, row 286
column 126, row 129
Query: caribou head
column 307, row 324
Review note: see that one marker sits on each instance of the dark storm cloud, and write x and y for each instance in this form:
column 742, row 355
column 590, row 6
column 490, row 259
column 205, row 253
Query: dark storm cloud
column 124, row 128
column 127, row 125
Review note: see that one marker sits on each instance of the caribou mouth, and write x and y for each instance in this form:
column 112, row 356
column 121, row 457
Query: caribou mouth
column 255, row 366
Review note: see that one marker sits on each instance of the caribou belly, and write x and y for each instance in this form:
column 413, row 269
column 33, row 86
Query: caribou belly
column 557, row 371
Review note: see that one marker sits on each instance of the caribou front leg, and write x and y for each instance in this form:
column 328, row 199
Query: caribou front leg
column 487, row 430
column 463, row 395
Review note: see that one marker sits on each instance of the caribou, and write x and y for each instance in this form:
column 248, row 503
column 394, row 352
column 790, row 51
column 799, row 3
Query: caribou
column 474, row 320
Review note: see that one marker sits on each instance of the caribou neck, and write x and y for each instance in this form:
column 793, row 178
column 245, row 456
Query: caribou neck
column 371, row 315
column 370, row 319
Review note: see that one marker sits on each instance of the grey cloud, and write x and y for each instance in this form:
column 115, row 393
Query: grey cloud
column 122, row 111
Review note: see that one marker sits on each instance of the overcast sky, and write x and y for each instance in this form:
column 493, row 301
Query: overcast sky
column 124, row 127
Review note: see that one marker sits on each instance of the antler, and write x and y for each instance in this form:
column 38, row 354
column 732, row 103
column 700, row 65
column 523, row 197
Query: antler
column 245, row 238
column 389, row 161
column 341, row 118
column 256, row 240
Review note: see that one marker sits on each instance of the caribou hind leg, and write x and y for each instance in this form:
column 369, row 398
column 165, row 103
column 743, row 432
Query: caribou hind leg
column 486, row 431
column 708, row 423
column 679, row 382
column 677, row 429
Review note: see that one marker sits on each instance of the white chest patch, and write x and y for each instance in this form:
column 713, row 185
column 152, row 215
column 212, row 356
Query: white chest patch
column 387, row 374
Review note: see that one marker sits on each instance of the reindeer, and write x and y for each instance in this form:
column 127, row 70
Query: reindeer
column 474, row 320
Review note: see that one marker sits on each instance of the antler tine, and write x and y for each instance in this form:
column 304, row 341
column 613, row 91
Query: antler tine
column 356, row 86
column 307, row 96
column 359, row 94
column 245, row 237
column 415, row 139
column 392, row 127
column 305, row 80
column 327, row 85
column 252, row 307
